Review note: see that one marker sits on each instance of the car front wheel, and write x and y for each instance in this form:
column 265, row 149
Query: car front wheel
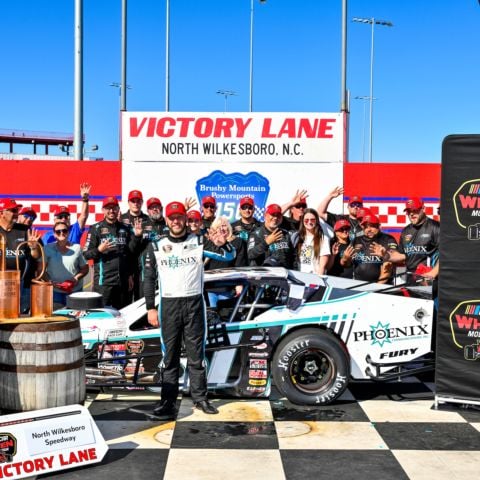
column 311, row 367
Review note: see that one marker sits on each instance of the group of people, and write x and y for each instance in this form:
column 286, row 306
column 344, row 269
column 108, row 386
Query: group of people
column 136, row 253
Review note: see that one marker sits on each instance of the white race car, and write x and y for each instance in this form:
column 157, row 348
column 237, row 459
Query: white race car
column 310, row 334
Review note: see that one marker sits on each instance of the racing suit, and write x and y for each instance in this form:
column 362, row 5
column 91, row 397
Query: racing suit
column 178, row 263
column 278, row 254
column 111, row 268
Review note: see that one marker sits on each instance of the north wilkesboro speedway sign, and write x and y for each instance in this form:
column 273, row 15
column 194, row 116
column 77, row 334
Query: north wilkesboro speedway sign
column 265, row 137
column 229, row 155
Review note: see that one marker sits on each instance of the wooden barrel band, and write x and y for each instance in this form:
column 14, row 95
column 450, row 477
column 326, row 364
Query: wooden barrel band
column 40, row 327
column 40, row 347
column 41, row 369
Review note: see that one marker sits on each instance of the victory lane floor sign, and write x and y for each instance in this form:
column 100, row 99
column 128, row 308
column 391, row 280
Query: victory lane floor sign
column 43, row 441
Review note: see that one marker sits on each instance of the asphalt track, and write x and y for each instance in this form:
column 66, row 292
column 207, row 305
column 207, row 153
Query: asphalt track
column 374, row 431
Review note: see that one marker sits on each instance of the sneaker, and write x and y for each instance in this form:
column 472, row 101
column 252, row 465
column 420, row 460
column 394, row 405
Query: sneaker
column 165, row 410
column 206, row 407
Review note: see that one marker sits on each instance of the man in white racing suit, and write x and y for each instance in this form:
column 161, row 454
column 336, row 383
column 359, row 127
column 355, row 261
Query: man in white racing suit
column 177, row 261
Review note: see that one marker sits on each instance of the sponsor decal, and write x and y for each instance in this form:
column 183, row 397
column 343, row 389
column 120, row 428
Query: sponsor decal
column 380, row 334
column 257, row 374
column 167, row 248
column 258, row 354
column 257, row 382
column 256, row 389
column 8, row 447
column 261, row 346
column 466, row 203
column 258, row 364
column 228, row 189
column 465, row 327
column 398, row 353
column 135, row 346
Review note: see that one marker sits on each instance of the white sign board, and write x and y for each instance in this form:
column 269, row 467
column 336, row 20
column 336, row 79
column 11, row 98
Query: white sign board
column 232, row 137
column 43, row 441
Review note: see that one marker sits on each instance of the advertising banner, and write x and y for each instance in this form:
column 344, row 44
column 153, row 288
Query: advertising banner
column 232, row 137
column 458, row 338
column 43, row 441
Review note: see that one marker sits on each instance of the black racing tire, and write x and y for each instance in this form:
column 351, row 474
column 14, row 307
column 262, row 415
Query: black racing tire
column 311, row 367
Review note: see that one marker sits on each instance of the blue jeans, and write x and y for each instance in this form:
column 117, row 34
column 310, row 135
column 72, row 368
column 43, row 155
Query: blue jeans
column 214, row 297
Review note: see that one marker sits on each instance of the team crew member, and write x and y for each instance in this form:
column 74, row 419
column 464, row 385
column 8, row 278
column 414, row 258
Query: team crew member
column 355, row 204
column 270, row 244
column 209, row 208
column 62, row 213
column 177, row 261
column 419, row 242
column 27, row 216
column 155, row 213
column 194, row 222
column 247, row 222
column 366, row 265
column 135, row 203
column 110, row 244
column 340, row 264
column 14, row 234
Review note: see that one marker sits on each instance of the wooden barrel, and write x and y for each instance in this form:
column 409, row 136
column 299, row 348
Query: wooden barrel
column 41, row 365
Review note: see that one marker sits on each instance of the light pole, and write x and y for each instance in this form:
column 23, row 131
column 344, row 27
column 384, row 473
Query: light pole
column 226, row 94
column 364, row 98
column 372, row 21
column 250, row 102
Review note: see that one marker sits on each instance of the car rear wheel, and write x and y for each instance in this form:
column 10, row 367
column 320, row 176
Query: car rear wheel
column 311, row 367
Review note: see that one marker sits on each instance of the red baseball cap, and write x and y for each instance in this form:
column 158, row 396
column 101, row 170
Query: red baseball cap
column 175, row 208
column 8, row 204
column 61, row 210
column 355, row 199
column 153, row 201
column 135, row 194
column 414, row 203
column 274, row 209
column 342, row 223
column 109, row 201
column 247, row 201
column 194, row 214
column 373, row 219
column 208, row 200
column 28, row 211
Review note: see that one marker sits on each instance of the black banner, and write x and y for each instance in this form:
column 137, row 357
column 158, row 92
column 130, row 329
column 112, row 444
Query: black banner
column 458, row 323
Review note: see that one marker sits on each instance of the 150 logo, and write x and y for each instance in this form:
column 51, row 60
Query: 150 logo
column 229, row 188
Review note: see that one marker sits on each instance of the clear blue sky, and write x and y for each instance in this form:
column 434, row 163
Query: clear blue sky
column 426, row 77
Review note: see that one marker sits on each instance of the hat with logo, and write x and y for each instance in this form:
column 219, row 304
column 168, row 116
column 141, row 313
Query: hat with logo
column 175, row 208
column 195, row 214
column 342, row 223
column 247, row 201
column 274, row 209
column 414, row 203
column 28, row 211
column 61, row 210
column 372, row 219
column 153, row 201
column 209, row 199
column 355, row 199
column 109, row 201
column 135, row 194
column 8, row 204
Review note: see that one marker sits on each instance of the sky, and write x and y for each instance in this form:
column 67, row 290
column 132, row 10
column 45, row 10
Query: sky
column 426, row 67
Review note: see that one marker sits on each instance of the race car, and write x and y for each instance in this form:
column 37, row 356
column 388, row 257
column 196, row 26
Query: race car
column 308, row 334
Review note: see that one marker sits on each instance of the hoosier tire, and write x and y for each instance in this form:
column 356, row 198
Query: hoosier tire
column 311, row 367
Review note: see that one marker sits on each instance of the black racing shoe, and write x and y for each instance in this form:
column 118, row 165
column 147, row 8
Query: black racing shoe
column 206, row 407
column 165, row 410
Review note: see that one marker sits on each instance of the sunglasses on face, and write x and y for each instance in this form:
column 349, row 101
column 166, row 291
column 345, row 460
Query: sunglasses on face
column 154, row 207
column 193, row 220
column 110, row 207
column 356, row 205
column 246, row 207
column 344, row 230
column 64, row 216
column 300, row 205
column 62, row 231
column 309, row 220
column 136, row 200
column 209, row 205
column 13, row 210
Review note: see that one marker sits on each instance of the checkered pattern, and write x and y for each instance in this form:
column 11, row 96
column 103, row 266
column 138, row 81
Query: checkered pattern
column 374, row 431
